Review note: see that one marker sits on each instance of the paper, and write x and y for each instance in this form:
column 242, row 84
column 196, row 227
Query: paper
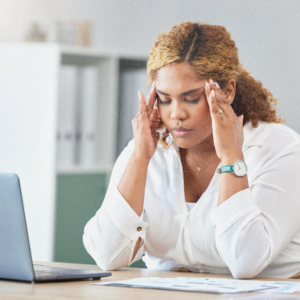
column 283, row 287
column 207, row 285
column 267, row 296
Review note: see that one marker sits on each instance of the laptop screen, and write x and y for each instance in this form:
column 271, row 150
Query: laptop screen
column 15, row 256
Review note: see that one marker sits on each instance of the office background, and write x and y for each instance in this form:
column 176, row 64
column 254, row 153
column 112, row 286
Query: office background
column 266, row 33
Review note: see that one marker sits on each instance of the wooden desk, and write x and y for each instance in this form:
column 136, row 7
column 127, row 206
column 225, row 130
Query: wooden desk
column 11, row 290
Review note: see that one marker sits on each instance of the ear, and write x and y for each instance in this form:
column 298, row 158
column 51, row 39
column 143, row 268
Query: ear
column 229, row 90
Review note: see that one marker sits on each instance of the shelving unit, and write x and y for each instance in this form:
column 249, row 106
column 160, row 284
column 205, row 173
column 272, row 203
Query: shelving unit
column 56, row 196
column 110, row 66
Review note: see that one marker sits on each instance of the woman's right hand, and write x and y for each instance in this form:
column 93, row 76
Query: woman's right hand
column 144, row 127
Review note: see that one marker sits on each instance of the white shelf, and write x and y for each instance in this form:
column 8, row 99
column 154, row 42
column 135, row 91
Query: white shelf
column 99, row 53
column 109, row 69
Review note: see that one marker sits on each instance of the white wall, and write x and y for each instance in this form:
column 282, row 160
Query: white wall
column 266, row 32
column 28, row 80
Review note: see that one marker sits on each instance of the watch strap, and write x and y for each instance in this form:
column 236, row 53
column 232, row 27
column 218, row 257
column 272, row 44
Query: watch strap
column 227, row 169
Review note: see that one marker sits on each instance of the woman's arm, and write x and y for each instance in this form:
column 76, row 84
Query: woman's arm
column 133, row 182
column 255, row 225
column 116, row 234
column 228, row 136
column 230, row 184
column 132, row 187
column 111, row 235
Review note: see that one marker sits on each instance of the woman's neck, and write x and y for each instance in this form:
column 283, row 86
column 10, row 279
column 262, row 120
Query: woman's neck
column 207, row 146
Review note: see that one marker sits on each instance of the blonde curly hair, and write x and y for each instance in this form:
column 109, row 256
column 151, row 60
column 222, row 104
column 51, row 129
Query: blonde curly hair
column 211, row 52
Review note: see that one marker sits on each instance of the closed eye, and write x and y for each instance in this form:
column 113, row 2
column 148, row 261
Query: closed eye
column 163, row 102
column 192, row 101
column 188, row 101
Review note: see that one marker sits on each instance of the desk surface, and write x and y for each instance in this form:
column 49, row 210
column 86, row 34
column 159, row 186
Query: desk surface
column 84, row 290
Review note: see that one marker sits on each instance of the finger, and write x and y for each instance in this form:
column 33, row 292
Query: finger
column 207, row 91
column 150, row 92
column 143, row 107
column 221, row 100
column 214, row 109
column 220, row 95
column 153, row 122
column 151, row 98
column 213, row 85
column 211, row 98
column 135, row 121
column 154, row 116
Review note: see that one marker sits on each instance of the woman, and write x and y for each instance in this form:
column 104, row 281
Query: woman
column 165, row 198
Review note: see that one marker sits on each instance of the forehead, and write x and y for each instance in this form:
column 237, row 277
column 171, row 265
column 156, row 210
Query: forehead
column 177, row 78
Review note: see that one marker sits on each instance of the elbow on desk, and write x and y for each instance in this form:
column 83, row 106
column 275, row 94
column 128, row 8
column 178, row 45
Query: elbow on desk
column 247, row 268
column 101, row 255
column 248, row 262
column 244, row 273
column 95, row 252
column 106, row 266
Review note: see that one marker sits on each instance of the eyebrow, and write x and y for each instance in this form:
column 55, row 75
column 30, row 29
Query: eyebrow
column 182, row 94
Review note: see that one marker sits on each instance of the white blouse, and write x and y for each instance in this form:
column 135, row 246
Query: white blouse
column 256, row 232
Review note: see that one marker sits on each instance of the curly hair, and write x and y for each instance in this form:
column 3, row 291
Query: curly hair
column 211, row 53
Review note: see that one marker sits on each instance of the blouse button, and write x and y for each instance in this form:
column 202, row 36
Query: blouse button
column 139, row 229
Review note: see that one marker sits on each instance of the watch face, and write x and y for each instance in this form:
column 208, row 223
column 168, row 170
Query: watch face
column 240, row 168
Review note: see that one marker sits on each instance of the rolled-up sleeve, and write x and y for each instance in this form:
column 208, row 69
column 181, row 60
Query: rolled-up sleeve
column 255, row 225
column 111, row 235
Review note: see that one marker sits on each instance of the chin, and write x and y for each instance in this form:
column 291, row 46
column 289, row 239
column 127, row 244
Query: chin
column 191, row 142
column 184, row 142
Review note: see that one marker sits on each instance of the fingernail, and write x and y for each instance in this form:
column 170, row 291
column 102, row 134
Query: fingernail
column 213, row 93
column 207, row 85
column 152, row 86
column 217, row 85
column 211, row 81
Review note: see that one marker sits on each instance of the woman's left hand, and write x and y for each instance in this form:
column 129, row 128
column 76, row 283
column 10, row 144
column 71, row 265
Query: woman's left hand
column 227, row 127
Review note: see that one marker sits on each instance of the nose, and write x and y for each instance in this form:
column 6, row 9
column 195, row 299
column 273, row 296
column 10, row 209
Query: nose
column 178, row 112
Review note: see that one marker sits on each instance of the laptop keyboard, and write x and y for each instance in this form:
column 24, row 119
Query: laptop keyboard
column 48, row 273
column 42, row 269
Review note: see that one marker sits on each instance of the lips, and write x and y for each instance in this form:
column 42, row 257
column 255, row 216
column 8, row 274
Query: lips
column 181, row 131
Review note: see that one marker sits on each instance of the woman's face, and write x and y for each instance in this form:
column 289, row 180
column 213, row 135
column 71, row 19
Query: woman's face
column 183, row 106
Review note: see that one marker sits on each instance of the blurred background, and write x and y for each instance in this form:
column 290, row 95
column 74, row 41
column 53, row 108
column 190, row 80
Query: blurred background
column 69, row 75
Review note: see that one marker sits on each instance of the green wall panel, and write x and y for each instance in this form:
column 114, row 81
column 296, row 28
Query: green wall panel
column 78, row 198
column 138, row 264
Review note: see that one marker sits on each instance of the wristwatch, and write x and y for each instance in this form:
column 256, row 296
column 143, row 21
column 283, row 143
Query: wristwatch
column 239, row 168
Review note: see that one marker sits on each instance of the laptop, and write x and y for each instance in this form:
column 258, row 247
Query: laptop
column 15, row 256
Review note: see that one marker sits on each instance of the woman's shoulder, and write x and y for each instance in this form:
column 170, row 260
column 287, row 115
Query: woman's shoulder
column 280, row 133
column 270, row 135
column 281, row 128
